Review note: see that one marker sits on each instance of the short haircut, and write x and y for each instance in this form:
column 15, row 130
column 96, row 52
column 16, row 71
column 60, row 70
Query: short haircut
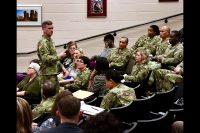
column 109, row 36
column 45, row 23
column 85, row 59
column 126, row 39
column 114, row 75
column 104, row 122
column 69, row 106
column 49, row 89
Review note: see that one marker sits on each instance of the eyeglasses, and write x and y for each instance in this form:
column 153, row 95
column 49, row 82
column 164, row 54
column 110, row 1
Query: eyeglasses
column 79, row 60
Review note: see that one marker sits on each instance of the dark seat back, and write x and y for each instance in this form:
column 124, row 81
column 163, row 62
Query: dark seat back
column 164, row 100
column 161, row 124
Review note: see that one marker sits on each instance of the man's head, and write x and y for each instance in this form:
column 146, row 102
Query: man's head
column 47, row 27
column 69, row 107
column 164, row 32
column 48, row 89
column 123, row 42
column 174, row 37
column 109, row 41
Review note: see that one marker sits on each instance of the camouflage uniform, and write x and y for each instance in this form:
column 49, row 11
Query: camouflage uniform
column 118, row 96
column 147, row 42
column 173, row 55
column 80, row 82
column 165, row 79
column 119, row 58
column 162, row 46
column 49, row 60
column 139, row 73
column 44, row 106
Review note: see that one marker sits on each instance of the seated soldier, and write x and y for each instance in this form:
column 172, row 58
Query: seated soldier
column 82, row 78
column 119, row 57
column 48, row 94
column 119, row 95
column 165, row 79
column 149, row 40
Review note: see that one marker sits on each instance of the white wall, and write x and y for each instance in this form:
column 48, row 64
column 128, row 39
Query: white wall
column 71, row 22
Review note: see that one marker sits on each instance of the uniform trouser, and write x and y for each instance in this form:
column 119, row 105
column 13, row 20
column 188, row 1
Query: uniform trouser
column 52, row 78
column 164, row 79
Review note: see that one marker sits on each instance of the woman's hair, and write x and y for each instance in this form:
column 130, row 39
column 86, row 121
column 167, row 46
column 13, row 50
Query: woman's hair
column 104, row 122
column 102, row 65
column 68, row 45
column 156, row 29
column 114, row 75
column 144, row 54
column 24, row 116
column 58, row 97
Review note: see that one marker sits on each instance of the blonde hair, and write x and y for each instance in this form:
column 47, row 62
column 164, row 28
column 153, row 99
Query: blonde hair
column 24, row 116
column 144, row 53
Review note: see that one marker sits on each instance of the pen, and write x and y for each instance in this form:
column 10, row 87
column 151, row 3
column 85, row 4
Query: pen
column 94, row 108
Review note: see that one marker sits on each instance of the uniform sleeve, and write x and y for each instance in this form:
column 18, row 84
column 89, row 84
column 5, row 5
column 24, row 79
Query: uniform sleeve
column 80, row 81
column 178, row 57
column 140, row 76
column 108, row 101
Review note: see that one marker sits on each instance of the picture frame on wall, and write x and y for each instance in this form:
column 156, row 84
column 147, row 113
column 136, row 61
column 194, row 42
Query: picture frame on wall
column 96, row 8
column 29, row 15
column 167, row 0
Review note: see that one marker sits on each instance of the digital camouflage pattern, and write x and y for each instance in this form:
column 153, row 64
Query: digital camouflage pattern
column 119, row 58
column 118, row 96
column 147, row 42
column 80, row 82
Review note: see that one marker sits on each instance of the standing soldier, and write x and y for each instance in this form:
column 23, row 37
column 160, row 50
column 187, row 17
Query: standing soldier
column 47, row 54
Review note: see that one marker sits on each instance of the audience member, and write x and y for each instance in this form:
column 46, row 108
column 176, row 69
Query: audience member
column 24, row 116
column 98, row 83
column 119, row 57
column 119, row 94
column 48, row 93
column 68, row 109
column 108, row 46
column 149, row 40
column 82, row 78
column 173, row 54
column 22, row 75
column 177, row 127
column 103, row 122
column 164, row 42
column 30, row 88
column 164, row 79
column 52, row 120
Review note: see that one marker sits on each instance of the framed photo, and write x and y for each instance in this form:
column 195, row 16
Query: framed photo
column 96, row 8
column 29, row 15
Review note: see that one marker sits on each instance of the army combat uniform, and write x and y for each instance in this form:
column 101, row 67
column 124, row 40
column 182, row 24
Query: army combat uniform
column 147, row 42
column 139, row 73
column 49, row 61
column 119, row 58
column 172, row 56
column 80, row 82
column 44, row 106
column 162, row 46
column 118, row 96
column 165, row 79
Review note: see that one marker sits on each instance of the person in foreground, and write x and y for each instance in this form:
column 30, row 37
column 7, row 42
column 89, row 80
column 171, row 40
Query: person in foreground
column 103, row 122
column 24, row 116
column 68, row 111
